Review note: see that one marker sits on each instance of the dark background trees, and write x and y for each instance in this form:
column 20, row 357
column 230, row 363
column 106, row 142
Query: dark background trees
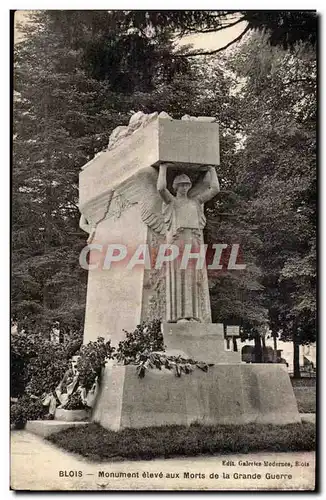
column 79, row 74
column 284, row 28
column 75, row 79
column 277, row 168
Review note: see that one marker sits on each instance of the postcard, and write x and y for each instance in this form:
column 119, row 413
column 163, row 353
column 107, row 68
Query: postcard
column 163, row 288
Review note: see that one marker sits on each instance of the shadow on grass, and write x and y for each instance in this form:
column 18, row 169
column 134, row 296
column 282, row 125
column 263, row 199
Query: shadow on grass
column 99, row 444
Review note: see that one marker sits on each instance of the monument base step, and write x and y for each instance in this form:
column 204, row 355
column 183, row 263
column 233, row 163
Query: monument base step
column 308, row 417
column 225, row 394
column 44, row 428
column 200, row 341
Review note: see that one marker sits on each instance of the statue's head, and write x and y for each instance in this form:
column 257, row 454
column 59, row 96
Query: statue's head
column 182, row 184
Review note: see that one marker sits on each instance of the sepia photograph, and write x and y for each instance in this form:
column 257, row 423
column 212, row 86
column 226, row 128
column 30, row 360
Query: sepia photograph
column 163, row 323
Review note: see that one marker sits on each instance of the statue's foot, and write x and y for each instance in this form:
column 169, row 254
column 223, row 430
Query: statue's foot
column 187, row 320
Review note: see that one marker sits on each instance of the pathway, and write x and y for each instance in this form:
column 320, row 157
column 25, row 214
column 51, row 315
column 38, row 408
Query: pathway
column 39, row 465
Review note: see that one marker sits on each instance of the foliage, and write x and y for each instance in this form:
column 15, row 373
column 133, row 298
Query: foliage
column 145, row 348
column 52, row 142
column 98, row 444
column 284, row 28
column 78, row 75
column 75, row 402
column 277, row 178
column 26, row 408
column 236, row 296
column 147, row 337
column 147, row 360
column 38, row 365
column 306, row 398
column 93, row 357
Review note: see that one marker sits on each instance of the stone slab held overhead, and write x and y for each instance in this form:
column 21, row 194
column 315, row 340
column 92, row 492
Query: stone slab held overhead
column 160, row 140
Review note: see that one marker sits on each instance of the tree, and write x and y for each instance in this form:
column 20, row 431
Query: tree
column 66, row 103
column 277, row 170
column 284, row 28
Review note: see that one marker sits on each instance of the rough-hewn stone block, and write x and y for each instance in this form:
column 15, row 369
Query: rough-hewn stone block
column 162, row 140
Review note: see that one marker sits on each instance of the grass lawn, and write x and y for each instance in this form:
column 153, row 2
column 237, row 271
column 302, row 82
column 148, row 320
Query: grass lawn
column 305, row 393
column 96, row 443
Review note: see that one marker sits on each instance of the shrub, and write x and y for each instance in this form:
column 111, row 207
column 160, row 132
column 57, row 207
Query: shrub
column 23, row 349
column 91, row 361
column 147, row 337
column 75, row 402
column 145, row 348
column 26, row 408
column 46, row 370
column 37, row 364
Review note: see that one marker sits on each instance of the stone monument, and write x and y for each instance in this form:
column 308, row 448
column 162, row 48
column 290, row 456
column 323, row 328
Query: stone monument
column 148, row 190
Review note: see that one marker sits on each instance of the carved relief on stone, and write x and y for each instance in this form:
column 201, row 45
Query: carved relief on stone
column 137, row 121
column 174, row 219
column 94, row 212
column 154, row 283
column 119, row 204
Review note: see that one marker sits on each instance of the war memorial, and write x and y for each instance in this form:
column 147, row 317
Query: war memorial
column 146, row 190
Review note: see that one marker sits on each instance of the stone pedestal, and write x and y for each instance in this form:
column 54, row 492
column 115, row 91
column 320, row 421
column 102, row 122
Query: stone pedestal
column 226, row 394
column 200, row 341
column 115, row 296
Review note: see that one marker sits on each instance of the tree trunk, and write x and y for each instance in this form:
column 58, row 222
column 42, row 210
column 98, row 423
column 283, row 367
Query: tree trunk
column 274, row 335
column 258, row 349
column 263, row 344
column 275, row 343
column 296, row 357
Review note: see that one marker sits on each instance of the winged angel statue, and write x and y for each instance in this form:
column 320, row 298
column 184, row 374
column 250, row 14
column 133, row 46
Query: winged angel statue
column 179, row 216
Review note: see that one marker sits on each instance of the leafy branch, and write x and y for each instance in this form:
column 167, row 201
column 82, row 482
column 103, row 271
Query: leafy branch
column 151, row 360
column 216, row 51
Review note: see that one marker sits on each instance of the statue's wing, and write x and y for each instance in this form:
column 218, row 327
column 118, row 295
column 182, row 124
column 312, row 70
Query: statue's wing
column 200, row 187
column 146, row 194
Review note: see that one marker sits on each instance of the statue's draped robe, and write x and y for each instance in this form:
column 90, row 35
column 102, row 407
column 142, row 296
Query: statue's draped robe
column 185, row 220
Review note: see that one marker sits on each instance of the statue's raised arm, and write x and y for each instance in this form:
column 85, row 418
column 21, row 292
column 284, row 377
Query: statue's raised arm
column 213, row 186
column 162, row 185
